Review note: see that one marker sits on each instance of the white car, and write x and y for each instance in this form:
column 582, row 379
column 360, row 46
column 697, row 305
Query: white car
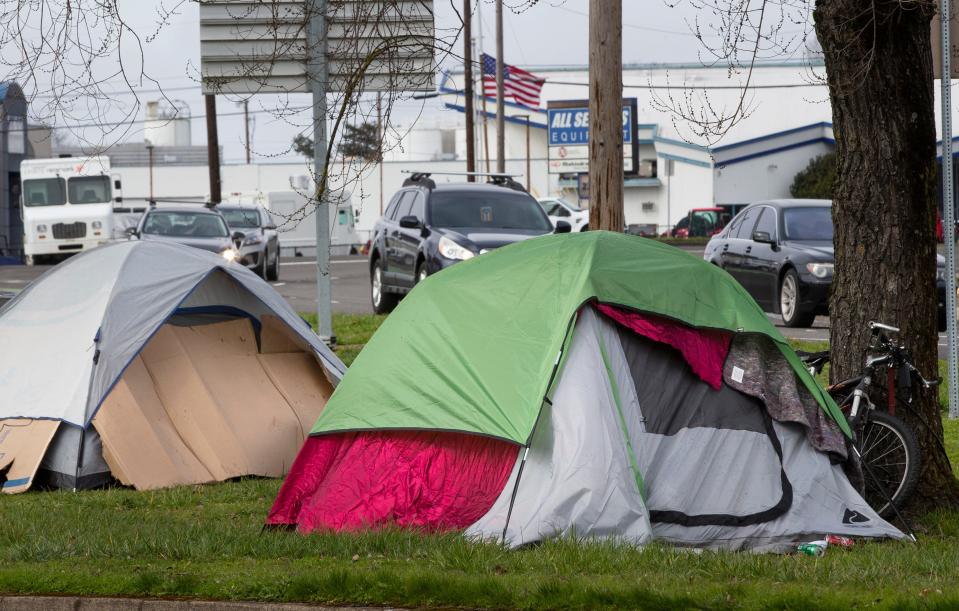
column 559, row 209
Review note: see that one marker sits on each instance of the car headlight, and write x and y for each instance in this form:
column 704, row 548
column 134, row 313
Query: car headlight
column 253, row 239
column 940, row 274
column 451, row 250
column 41, row 228
column 820, row 270
column 96, row 225
column 229, row 254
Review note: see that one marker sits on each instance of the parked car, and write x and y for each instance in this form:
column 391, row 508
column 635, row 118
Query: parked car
column 429, row 227
column 700, row 223
column 260, row 247
column 197, row 227
column 781, row 251
column 558, row 209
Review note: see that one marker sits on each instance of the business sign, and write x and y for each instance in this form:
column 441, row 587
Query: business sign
column 568, row 136
column 260, row 46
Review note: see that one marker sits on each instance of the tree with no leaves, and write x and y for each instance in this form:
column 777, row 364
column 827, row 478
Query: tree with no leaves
column 878, row 62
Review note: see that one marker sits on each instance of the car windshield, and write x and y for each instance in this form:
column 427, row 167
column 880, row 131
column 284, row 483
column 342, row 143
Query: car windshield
column 489, row 209
column 89, row 189
column 44, row 192
column 550, row 205
column 241, row 219
column 185, row 225
column 809, row 224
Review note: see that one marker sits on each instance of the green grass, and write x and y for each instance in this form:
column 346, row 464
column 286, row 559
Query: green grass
column 352, row 332
column 207, row 542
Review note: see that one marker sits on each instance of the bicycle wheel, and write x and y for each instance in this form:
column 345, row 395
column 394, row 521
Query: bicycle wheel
column 891, row 462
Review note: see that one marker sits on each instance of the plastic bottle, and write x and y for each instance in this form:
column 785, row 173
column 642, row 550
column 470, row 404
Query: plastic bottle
column 813, row 548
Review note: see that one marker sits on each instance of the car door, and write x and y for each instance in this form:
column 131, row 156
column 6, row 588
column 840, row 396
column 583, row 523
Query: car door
column 395, row 253
column 740, row 237
column 408, row 239
column 761, row 261
column 270, row 235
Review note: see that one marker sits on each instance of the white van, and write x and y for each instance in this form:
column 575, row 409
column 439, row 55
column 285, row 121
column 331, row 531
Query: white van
column 66, row 205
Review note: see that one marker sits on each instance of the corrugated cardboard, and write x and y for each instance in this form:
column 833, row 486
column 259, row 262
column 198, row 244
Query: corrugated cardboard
column 23, row 442
column 140, row 442
column 200, row 404
column 300, row 380
column 224, row 357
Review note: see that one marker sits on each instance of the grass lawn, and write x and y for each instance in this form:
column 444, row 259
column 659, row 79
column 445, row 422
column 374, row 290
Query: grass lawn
column 207, row 542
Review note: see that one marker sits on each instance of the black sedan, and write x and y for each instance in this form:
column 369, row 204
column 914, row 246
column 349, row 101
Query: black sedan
column 781, row 251
column 428, row 227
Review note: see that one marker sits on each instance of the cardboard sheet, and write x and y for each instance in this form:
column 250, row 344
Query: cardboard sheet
column 23, row 442
column 140, row 442
column 300, row 380
column 201, row 404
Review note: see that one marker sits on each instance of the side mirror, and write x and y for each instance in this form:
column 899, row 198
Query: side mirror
column 132, row 232
column 117, row 184
column 410, row 222
column 237, row 236
column 763, row 237
column 563, row 227
column 271, row 226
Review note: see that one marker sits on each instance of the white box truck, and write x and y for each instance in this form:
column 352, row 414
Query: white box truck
column 66, row 205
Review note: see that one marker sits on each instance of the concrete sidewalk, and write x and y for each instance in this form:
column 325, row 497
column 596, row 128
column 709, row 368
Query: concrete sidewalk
column 79, row 603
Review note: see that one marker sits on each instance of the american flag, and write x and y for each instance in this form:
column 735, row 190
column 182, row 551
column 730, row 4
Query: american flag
column 522, row 86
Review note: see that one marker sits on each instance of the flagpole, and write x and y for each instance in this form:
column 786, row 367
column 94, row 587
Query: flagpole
column 500, row 106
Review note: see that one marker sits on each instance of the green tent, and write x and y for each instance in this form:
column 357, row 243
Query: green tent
column 505, row 316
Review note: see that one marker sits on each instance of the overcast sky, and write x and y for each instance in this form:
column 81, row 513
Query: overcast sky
column 550, row 32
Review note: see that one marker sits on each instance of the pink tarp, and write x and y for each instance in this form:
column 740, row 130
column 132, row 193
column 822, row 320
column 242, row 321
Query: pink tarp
column 432, row 480
column 704, row 349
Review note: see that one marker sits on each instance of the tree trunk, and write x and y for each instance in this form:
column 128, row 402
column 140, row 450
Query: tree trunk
column 879, row 68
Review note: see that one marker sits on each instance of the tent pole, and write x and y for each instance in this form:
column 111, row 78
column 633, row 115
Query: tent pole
column 76, row 474
column 512, row 498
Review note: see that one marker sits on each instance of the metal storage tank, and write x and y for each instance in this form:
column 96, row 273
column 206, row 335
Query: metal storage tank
column 167, row 124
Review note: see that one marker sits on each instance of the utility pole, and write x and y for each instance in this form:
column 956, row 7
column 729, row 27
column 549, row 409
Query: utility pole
column 212, row 148
column 500, row 107
column 246, row 128
column 606, row 115
column 482, row 79
column 319, row 77
column 149, row 145
column 468, row 89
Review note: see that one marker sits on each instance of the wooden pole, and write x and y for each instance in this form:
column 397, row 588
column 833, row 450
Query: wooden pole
column 606, row 115
column 500, row 106
column 246, row 128
column 212, row 148
column 468, row 87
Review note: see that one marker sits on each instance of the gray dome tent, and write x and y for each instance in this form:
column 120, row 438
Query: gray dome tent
column 154, row 364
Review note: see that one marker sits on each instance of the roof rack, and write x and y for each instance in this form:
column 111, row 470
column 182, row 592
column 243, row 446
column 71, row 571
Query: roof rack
column 493, row 178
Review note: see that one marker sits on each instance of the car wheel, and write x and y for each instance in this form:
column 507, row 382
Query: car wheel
column 260, row 270
column 273, row 270
column 383, row 302
column 789, row 302
column 421, row 272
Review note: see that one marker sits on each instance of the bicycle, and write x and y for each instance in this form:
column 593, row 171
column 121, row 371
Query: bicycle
column 886, row 446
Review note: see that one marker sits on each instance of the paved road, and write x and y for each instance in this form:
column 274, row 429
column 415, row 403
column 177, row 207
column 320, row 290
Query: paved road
column 297, row 284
